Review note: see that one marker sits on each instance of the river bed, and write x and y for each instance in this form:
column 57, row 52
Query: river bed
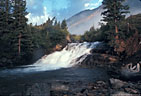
column 62, row 79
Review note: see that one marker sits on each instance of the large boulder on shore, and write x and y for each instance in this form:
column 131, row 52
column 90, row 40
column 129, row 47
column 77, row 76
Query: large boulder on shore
column 124, row 88
column 100, row 56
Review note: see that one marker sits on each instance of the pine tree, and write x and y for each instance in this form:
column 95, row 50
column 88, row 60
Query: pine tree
column 114, row 13
column 64, row 25
column 55, row 23
column 4, row 18
column 22, row 40
column 64, row 28
column 5, row 32
column 2, row 13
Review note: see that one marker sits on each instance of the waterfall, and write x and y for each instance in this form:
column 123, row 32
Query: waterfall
column 66, row 58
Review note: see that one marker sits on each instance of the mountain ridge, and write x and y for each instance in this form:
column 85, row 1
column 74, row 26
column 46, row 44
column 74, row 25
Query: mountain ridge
column 82, row 21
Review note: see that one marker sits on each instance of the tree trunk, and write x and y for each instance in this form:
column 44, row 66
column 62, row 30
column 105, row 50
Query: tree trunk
column 19, row 49
column 116, row 30
column 116, row 37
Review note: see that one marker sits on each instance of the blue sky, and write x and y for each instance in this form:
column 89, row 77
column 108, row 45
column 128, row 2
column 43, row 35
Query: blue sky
column 40, row 10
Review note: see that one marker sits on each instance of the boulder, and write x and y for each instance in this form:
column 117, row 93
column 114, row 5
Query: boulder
column 58, row 47
column 121, row 94
column 59, row 87
column 116, row 83
column 38, row 89
column 99, row 60
column 101, row 56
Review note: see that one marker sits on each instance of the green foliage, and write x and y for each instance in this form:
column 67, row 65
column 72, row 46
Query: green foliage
column 21, row 32
column 93, row 35
column 49, row 34
column 76, row 38
column 114, row 13
column 5, row 32
column 64, row 24
column 135, row 21
column 12, row 26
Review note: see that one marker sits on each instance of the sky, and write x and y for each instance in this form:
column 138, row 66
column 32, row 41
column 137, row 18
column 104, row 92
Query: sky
column 40, row 10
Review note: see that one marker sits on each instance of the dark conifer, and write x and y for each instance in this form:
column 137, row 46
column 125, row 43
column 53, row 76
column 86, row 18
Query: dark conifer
column 114, row 13
column 22, row 40
column 64, row 24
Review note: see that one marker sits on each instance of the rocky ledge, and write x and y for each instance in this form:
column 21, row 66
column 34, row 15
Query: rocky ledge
column 101, row 56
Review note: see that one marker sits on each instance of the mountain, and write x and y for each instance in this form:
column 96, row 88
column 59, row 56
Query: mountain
column 84, row 20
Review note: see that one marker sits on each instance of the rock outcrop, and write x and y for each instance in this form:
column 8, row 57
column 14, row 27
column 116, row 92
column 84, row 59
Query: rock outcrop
column 58, row 47
column 101, row 56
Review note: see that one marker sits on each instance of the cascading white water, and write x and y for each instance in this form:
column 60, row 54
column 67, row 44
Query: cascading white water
column 66, row 58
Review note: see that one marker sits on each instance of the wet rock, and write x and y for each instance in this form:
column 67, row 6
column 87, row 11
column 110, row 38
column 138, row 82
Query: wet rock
column 90, row 94
column 131, row 90
column 79, row 94
column 60, row 93
column 38, row 89
column 116, row 83
column 124, row 88
column 121, row 94
column 99, row 88
column 59, row 87
column 101, row 56
column 101, row 82
column 83, row 90
column 99, row 60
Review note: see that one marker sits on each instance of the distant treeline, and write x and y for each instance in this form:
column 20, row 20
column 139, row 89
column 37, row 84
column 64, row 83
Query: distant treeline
column 18, row 40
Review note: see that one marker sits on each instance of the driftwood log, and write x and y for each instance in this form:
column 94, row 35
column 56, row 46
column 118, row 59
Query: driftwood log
column 130, row 72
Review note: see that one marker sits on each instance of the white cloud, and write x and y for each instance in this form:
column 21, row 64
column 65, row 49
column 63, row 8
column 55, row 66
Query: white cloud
column 38, row 19
column 92, row 5
column 87, row 5
column 40, row 10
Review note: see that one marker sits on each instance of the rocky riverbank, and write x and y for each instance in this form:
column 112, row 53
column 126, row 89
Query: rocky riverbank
column 126, row 83
column 99, row 88
column 62, row 82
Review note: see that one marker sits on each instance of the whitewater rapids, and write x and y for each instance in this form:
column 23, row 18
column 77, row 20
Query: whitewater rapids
column 66, row 58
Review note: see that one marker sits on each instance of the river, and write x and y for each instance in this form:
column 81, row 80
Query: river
column 56, row 68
